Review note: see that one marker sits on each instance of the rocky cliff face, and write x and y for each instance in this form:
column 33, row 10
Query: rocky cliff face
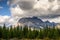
column 36, row 22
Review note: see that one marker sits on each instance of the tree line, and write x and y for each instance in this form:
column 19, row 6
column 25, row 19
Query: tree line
column 19, row 32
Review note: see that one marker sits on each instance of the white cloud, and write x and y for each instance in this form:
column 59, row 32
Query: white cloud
column 8, row 20
column 44, row 6
column 8, row 3
column 56, row 20
column 1, row 7
column 16, row 11
column 40, row 8
column 4, row 19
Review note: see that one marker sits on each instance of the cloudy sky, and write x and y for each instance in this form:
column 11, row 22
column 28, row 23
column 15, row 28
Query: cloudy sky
column 12, row 10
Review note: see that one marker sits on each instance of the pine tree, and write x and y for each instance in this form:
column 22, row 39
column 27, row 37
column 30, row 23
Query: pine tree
column 20, row 33
column 35, row 33
column 41, row 34
column 11, row 32
column 4, row 32
column 29, row 35
column 25, row 31
column 0, row 32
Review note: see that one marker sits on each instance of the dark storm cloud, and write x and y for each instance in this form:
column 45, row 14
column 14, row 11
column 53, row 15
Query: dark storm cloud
column 51, row 16
column 51, row 0
column 0, row 0
column 58, row 0
column 26, row 5
column 13, row 2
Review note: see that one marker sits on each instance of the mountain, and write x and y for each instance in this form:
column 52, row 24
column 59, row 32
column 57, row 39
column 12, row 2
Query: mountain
column 35, row 22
